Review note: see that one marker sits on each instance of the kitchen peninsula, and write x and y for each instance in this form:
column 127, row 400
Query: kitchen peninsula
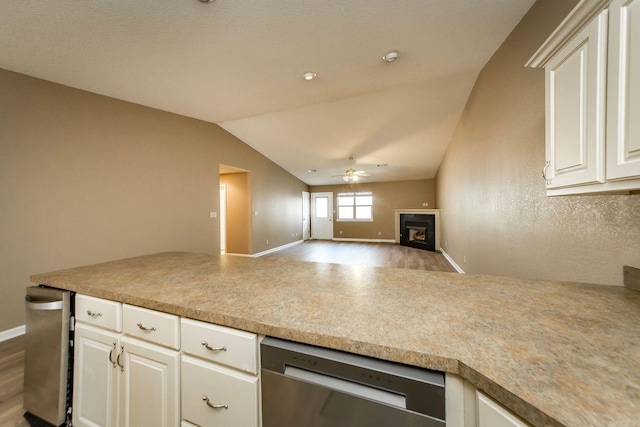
column 554, row 353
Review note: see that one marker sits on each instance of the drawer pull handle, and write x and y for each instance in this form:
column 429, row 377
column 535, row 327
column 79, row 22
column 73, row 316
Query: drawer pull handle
column 144, row 328
column 94, row 314
column 208, row 347
column 212, row 405
column 118, row 358
column 111, row 355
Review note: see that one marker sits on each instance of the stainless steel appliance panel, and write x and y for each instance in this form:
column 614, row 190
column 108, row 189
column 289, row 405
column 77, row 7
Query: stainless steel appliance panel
column 46, row 353
column 315, row 387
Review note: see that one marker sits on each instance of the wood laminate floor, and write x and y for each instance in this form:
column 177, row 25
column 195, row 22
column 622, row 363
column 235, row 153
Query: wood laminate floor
column 367, row 254
column 11, row 376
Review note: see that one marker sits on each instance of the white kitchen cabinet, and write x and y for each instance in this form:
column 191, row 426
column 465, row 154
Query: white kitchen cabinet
column 149, row 389
column 575, row 108
column 220, row 383
column 95, row 378
column 121, row 380
column 623, row 101
column 469, row 407
column 213, row 395
column 592, row 79
column 492, row 414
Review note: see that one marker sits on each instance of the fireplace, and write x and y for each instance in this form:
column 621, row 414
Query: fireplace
column 418, row 231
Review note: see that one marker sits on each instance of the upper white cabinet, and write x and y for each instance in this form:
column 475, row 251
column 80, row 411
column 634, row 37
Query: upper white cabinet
column 592, row 74
column 623, row 100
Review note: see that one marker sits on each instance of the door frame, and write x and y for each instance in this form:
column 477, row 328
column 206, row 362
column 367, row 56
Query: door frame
column 306, row 215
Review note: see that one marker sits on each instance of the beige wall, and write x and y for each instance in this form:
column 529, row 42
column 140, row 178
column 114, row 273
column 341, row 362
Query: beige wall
column 85, row 178
column 490, row 189
column 387, row 196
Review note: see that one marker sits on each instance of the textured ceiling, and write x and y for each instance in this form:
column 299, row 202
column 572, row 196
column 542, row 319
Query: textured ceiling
column 238, row 63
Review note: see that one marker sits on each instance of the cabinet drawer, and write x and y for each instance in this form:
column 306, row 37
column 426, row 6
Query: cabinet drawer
column 150, row 325
column 99, row 312
column 203, row 380
column 227, row 346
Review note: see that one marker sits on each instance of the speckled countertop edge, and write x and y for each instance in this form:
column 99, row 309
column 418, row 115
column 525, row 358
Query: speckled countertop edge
column 545, row 403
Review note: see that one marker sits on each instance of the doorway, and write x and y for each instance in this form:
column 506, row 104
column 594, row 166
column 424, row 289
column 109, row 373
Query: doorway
column 322, row 216
column 223, row 219
column 236, row 226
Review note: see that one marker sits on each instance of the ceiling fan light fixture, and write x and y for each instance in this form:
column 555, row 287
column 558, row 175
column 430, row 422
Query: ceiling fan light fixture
column 309, row 75
column 390, row 56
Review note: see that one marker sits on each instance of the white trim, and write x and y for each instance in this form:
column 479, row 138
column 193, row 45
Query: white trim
column 12, row 333
column 346, row 239
column 276, row 249
column 452, row 262
column 581, row 15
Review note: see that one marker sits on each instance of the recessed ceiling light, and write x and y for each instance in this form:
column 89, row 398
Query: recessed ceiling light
column 311, row 170
column 391, row 56
column 309, row 75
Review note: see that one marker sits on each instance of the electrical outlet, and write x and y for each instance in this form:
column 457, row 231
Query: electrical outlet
column 380, row 232
column 267, row 241
column 340, row 231
column 464, row 259
column 213, row 214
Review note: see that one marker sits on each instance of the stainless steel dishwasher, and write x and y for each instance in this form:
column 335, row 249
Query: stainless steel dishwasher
column 309, row 386
column 47, row 367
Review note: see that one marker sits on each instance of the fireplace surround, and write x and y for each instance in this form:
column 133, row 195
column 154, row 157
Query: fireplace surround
column 418, row 228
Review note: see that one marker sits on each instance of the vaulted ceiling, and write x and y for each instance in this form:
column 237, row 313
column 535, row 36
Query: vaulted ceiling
column 239, row 63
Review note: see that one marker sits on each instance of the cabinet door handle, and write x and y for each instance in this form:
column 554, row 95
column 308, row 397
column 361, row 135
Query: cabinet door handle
column 118, row 359
column 111, row 355
column 208, row 347
column 213, row 405
column 93, row 313
column 144, row 328
column 544, row 171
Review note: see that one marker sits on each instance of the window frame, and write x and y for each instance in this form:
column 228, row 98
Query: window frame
column 353, row 205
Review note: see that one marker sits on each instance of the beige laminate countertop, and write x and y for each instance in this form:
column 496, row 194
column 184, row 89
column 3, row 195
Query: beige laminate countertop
column 555, row 353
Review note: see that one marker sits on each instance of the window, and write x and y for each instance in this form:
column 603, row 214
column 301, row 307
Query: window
column 355, row 206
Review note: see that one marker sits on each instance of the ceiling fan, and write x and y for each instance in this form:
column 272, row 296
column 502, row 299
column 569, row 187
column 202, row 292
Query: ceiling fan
column 351, row 175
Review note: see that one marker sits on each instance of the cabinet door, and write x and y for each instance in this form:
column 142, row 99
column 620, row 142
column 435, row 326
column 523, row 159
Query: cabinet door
column 213, row 395
column 149, row 385
column 575, row 108
column 491, row 414
column 623, row 103
column 95, row 377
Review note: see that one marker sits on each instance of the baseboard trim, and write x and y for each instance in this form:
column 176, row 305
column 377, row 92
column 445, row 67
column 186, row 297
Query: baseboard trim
column 12, row 333
column 276, row 249
column 452, row 262
column 363, row 240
